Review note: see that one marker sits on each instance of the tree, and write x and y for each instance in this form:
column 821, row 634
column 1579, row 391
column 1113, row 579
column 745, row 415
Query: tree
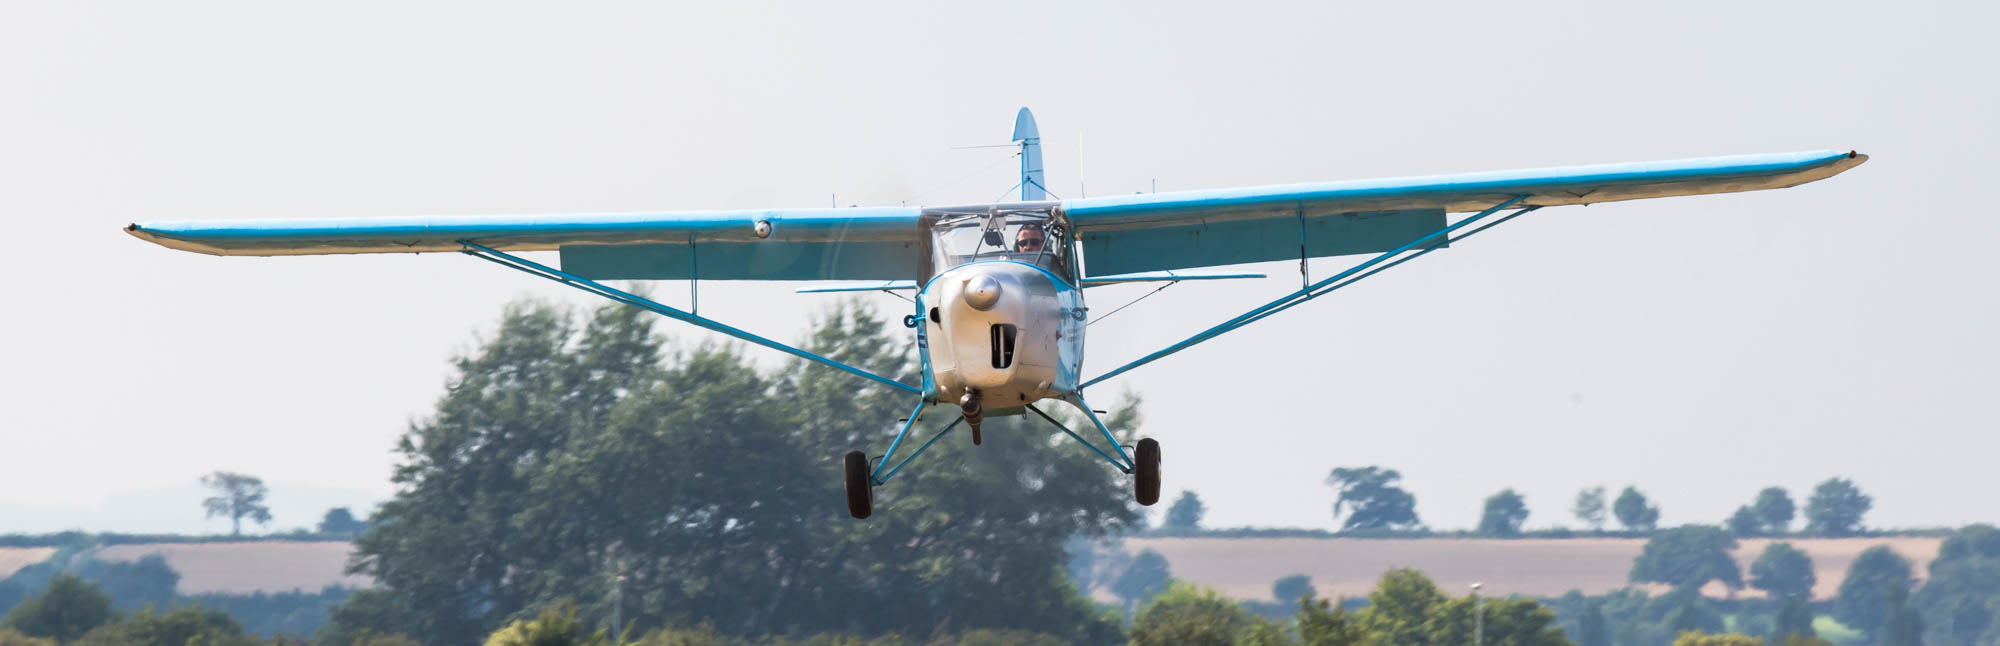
column 1961, row 600
column 1693, row 614
column 1900, row 624
column 1371, row 498
column 1291, row 589
column 1633, row 512
column 182, row 626
column 1783, row 571
column 555, row 626
column 1863, row 600
column 1185, row 513
column 237, row 497
column 566, row 455
column 1794, row 618
column 64, row 611
column 1516, row 621
column 1328, row 624
column 1399, row 608
column 1503, row 514
column 1146, row 578
column 1978, row 541
column 1594, row 629
column 1836, row 508
column 1775, row 510
column 1192, row 615
column 1745, row 522
column 1688, row 557
column 341, row 522
column 1589, row 507
column 11, row 637
column 1699, row 638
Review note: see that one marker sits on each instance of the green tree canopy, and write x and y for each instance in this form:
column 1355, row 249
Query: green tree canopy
column 1687, row 557
column 1400, row 607
column 1191, row 615
column 1901, row 626
column 1794, row 617
column 1594, row 629
column 1979, row 541
column 1836, row 508
column 1516, row 621
column 338, row 521
column 1699, row 638
column 1745, row 522
column 1864, row 594
column 555, row 626
column 237, row 496
column 182, row 626
column 1589, row 507
column 1783, row 571
column 11, row 637
column 563, row 456
column 1774, row 508
column 1503, row 514
column 1370, row 498
column 1632, row 511
column 1291, row 589
column 1960, row 603
column 1186, row 512
column 64, row 611
column 1145, row 578
column 1321, row 623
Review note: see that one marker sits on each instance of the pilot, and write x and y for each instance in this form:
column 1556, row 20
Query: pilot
column 1029, row 239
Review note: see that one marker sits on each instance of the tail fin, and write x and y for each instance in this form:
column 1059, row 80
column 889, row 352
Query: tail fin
column 1033, row 186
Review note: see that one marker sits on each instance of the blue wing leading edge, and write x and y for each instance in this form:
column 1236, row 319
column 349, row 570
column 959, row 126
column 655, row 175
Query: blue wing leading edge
column 1122, row 234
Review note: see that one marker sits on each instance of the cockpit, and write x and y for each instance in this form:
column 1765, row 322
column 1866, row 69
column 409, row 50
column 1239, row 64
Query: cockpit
column 1030, row 233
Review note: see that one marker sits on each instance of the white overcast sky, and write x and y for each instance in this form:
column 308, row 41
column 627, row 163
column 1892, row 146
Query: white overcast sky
column 1700, row 348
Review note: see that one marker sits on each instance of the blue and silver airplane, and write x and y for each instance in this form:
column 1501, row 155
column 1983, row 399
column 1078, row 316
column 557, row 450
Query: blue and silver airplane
column 1000, row 316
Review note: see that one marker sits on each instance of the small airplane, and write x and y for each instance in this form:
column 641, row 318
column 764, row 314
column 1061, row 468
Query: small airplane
column 999, row 311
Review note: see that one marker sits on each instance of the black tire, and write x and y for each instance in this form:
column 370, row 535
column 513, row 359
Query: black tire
column 1146, row 472
column 861, row 495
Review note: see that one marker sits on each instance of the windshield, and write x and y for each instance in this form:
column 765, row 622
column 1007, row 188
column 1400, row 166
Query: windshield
column 1030, row 237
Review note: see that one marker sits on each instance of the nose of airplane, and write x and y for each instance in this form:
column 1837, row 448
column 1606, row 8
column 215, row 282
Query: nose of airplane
column 981, row 292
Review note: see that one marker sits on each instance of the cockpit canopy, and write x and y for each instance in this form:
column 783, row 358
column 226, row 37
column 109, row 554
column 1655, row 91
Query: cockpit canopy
column 1029, row 232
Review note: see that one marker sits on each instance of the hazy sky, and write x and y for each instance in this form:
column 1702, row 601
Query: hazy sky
column 1701, row 348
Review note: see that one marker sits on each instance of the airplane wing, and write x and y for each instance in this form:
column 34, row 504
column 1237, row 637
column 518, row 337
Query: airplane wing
column 1121, row 235
column 1148, row 232
column 774, row 244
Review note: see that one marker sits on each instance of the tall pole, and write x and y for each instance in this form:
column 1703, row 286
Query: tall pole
column 1478, row 617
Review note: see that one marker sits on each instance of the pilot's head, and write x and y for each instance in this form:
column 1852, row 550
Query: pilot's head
column 1028, row 239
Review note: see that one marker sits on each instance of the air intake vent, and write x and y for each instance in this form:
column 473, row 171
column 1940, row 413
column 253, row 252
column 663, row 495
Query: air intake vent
column 1003, row 345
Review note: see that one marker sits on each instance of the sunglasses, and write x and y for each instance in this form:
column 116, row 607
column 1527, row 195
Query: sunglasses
column 1027, row 242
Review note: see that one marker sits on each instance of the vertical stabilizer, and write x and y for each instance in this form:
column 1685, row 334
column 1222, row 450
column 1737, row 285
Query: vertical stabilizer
column 1033, row 186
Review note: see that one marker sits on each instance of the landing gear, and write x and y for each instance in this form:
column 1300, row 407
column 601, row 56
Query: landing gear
column 1146, row 472
column 861, row 492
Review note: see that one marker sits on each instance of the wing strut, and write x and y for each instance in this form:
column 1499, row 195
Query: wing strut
column 635, row 300
column 1431, row 242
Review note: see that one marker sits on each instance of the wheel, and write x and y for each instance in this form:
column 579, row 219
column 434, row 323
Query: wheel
column 1146, row 472
column 861, row 494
